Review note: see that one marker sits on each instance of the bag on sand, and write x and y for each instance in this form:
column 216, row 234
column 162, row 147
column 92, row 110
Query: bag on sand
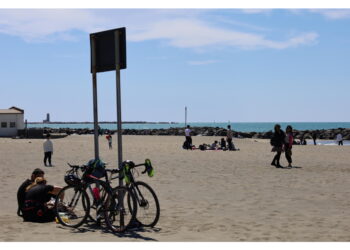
column 186, row 145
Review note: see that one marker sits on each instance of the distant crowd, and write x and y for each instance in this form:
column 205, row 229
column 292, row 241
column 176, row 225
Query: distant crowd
column 281, row 142
column 225, row 144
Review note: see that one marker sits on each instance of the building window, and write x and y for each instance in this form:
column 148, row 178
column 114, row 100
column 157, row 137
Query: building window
column 12, row 124
column 3, row 124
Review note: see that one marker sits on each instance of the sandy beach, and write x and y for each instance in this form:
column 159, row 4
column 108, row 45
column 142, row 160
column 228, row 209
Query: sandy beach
column 204, row 196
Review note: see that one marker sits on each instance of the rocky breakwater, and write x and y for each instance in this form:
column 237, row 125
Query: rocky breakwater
column 327, row 134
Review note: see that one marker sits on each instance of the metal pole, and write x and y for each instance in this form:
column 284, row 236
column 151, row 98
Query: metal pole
column 94, row 93
column 185, row 116
column 26, row 129
column 119, row 105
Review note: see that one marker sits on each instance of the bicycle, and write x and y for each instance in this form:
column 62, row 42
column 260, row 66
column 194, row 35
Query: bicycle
column 148, row 211
column 72, row 205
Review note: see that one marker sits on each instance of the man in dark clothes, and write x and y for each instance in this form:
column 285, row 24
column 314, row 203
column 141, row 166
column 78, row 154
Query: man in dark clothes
column 22, row 189
column 277, row 142
column 37, row 196
column 314, row 137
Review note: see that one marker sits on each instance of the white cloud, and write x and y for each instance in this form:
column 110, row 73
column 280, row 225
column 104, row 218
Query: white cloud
column 333, row 13
column 41, row 24
column 179, row 28
column 204, row 62
column 189, row 33
column 256, row 11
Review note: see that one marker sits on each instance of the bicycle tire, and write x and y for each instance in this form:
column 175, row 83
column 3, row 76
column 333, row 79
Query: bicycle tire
column 119, row 218
column 73, row 209
column 96, row 203
column 146, row 198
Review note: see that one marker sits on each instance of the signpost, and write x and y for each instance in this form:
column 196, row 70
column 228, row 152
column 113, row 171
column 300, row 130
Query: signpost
column 108, row 52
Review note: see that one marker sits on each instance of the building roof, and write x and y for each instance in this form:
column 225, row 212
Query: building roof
column 12, row 110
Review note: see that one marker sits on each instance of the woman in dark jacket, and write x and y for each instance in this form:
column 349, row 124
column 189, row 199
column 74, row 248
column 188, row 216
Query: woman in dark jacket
column 277, row 142
column 288, row 143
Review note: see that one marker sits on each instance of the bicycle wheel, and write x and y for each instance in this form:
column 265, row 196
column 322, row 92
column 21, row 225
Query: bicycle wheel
column 97, row 196
column 72, row 206
column 148, row 210
column 118, row 213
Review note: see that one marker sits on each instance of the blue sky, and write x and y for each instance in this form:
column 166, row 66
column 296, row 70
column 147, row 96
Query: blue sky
column 238, row 65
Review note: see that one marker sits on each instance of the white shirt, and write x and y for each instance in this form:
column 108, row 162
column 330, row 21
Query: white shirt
column 339, row 137
column 48, row 147
column 188, row 132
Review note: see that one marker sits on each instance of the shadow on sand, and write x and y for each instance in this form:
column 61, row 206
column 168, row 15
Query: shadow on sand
column 294, row 167
column 132, row 232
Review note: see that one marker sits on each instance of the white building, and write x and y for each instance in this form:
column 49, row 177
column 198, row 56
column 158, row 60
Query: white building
column 11, row 120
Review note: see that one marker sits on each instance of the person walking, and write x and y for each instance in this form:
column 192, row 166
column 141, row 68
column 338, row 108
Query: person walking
column 229, row 136
column 109, row 139
column 188, row 137
column 288, row 143
column 48, row 150
column 314, row 137
column 339, row 139
column 277, row 142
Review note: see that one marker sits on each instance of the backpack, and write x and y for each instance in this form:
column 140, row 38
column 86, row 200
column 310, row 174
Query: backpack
column 96, row 168
column 186, row 145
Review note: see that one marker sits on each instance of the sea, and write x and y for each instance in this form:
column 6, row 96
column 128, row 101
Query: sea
column 236, row 126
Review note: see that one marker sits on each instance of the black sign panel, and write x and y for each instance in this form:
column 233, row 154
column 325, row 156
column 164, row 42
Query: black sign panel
column 103, row 45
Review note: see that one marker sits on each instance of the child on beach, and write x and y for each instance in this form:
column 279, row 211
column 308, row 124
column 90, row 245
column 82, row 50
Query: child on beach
column 288, row 143
column 339, row 139
column 109, row 139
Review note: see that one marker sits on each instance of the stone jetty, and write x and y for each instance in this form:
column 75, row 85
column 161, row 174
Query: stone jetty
column 328, row 134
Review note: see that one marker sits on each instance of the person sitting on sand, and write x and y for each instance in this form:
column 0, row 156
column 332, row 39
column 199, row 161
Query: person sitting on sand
column 22, row 189
column 37, row 204
column 277, row 142
column 214, row 146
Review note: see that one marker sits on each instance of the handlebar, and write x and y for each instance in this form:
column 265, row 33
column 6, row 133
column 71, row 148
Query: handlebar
column 75, row 167
column 147, row 164
column 130, row 164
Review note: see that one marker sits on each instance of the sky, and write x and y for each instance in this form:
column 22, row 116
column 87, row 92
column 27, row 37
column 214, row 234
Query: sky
column 238, row 65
